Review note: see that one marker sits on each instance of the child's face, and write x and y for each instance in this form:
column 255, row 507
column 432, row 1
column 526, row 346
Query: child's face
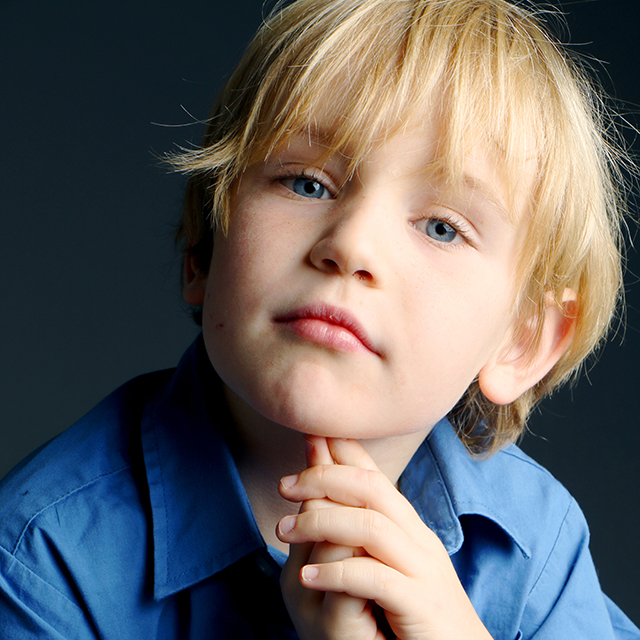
column 363, row 312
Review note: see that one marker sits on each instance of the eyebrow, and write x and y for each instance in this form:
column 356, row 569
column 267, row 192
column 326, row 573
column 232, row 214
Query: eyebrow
column 475, row 184
column 320, row 137
column 314, row 135
column 324, row 136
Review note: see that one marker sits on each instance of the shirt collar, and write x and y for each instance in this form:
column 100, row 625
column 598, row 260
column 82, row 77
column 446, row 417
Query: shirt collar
column 444, row 482
column 202, row 519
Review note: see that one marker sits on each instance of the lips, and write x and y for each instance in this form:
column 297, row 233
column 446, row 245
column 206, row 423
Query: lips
column 328, row 326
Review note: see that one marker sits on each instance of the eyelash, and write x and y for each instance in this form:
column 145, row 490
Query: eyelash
column 291, row 174
column 460, row 229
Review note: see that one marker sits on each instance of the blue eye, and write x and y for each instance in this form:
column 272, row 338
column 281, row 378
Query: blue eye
column 308, row 188
column 440, row 230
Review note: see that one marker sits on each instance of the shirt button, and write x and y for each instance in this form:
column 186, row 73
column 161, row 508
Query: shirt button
column 264, row 566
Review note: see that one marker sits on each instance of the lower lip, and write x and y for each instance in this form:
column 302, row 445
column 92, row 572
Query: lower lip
column 326, row 334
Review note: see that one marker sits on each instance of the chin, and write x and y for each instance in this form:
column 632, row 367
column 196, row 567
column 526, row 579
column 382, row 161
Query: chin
column 312, row 400
column 334, row 422
column 318, row 418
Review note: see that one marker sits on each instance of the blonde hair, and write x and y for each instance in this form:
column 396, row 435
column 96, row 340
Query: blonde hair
column 369, row 67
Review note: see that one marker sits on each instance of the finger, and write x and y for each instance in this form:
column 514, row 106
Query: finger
column 317, row 453
column 354, row 487
column 309, row 505
column 349, row 527
column 351, row 453
column 297, row 599
column 409, row 605
column 361, row 578
column 316, row 503
column 352, row 616
column 331, row 614
column 317, row 609
column 317, row 450
column 312, row 503
column 329, row 552
column 299, row 555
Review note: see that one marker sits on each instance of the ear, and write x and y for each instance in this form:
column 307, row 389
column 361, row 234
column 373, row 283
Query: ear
column 514, row 370
column 194, row 281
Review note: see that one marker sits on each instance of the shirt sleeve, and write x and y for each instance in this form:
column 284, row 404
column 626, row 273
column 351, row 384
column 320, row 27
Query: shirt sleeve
column 32, row 608
column 566, row 600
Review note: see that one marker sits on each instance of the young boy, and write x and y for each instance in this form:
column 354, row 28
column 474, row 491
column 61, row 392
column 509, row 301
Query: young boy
column 400, row 233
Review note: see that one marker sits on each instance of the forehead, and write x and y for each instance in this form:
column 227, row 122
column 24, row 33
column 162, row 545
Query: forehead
column 373, row 67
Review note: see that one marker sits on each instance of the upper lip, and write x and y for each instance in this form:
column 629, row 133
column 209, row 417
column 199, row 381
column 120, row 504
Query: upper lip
column 332, row 315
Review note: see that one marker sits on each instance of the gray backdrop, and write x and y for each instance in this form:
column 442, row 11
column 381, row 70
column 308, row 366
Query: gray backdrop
column 91, row 93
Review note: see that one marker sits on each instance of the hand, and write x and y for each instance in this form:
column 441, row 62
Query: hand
column 319, row 614
column 357, row 540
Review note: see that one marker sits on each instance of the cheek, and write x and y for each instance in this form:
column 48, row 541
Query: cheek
column 226, row 297
column 457, row 320
column 246, row 270
column 260, row 243
column 237, row 265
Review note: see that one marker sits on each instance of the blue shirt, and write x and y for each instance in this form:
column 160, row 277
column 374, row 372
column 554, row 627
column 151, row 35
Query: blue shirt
column 134, row 524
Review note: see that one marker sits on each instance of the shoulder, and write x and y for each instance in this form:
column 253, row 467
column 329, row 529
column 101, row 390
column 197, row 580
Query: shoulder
column 74, row 541
column 85, row 459
column 522, row 542
column 529, row 500
column 509, row 488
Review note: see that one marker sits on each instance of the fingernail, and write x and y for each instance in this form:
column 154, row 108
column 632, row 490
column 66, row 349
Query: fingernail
column 310, row 573
column 286, row 524
column 289, row 481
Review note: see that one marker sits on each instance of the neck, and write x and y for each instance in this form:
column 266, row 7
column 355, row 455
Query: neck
column 265, row 451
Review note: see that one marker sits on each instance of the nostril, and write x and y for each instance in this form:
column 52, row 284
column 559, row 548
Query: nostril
column 330, row 265
column 362, row 274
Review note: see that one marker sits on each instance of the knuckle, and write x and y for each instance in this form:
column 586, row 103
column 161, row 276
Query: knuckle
column 323, row 472
column 375, row 525
column 315, row 504
column 313, row 519
column 328, row 552
column 376, row 484
column 341, row 576
column 380, row 580
column 388, row 583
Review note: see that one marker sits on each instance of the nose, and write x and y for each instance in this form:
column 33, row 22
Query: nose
column 352, row 244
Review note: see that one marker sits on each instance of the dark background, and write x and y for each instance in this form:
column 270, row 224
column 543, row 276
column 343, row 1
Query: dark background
column 90, row 94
